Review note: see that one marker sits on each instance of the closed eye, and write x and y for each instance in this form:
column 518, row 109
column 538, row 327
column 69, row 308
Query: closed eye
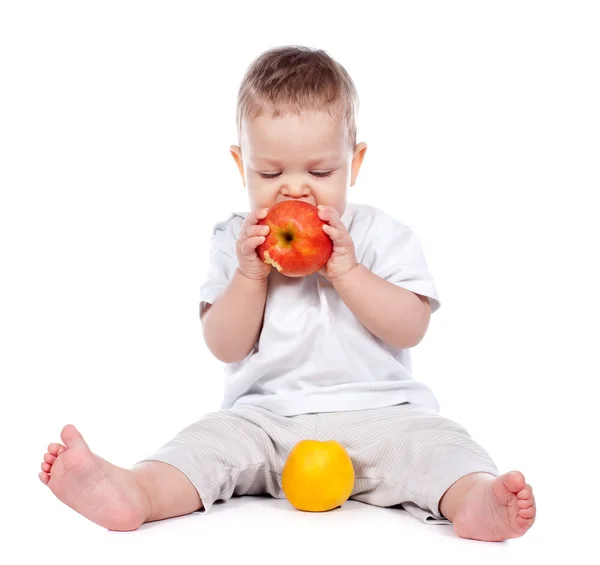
column 275, row 175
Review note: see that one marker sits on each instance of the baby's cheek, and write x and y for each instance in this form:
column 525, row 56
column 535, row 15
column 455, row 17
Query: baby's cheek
column 256, row 202
column 262, row 197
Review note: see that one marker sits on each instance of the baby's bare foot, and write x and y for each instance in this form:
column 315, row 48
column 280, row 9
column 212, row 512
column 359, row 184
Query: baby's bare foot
column 496, row 509
column 106, row 494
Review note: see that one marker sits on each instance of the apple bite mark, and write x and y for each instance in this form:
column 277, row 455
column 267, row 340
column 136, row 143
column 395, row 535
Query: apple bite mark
column 271, row 261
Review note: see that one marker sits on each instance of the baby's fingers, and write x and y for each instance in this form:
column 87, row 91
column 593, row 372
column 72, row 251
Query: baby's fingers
column 249, row 246
column 252, row 232
column 255, row 216
column 255, row 230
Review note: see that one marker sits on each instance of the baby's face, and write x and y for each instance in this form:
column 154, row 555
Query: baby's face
column 292, row 157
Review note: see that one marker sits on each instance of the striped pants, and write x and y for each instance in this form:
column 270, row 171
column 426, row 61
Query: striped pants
column 404, row 455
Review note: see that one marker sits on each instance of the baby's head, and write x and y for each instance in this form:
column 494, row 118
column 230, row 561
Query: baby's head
column 296, row 121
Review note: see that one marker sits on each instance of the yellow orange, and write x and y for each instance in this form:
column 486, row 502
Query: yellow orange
column 317, row 476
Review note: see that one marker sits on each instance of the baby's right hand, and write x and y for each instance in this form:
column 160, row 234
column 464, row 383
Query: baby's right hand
column 251, row 236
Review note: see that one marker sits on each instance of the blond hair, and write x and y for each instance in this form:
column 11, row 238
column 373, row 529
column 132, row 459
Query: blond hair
column 296, row 78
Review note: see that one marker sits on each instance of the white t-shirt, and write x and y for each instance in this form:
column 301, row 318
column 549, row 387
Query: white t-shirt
column 313, row 354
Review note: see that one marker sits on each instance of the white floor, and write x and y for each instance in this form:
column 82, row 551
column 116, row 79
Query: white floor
column 265, row 530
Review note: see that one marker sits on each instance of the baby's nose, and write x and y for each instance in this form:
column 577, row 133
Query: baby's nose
column 297, row 190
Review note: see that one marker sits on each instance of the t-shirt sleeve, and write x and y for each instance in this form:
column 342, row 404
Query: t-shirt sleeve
column 396, row 255
column 222, row 259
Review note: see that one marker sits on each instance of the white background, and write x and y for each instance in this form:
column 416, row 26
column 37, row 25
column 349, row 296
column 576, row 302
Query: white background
column 482, row 121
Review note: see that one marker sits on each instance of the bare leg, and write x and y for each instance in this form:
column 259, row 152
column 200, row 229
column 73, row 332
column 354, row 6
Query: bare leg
column 484, row 507
column 171, row 493
column 113, row 497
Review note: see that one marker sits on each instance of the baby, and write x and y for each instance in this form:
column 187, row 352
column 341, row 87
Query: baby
column 325, row 356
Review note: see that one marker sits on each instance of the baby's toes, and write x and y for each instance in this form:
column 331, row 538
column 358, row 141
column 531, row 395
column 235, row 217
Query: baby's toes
column 527, row 512
column 44, row 477
column 525, row 492
column 56, row 448
column 49, row 458
column 525, row 523
column 46, row 467
column 525, row 502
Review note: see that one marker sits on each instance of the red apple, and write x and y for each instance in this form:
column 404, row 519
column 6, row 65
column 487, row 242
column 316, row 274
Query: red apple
column 296, row 244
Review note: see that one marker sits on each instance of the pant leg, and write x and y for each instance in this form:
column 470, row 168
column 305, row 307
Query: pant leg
column 234, row 451
column 406, row 455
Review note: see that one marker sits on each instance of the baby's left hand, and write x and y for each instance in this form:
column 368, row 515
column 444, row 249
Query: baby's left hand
column 343, row 258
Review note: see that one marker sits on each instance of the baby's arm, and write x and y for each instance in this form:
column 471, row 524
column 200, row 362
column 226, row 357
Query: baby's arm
column 389, row 311
column 231, row 326
column 392, row 313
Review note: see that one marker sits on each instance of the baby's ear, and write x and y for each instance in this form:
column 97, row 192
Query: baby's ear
column 359, row 155
column 236, row 153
